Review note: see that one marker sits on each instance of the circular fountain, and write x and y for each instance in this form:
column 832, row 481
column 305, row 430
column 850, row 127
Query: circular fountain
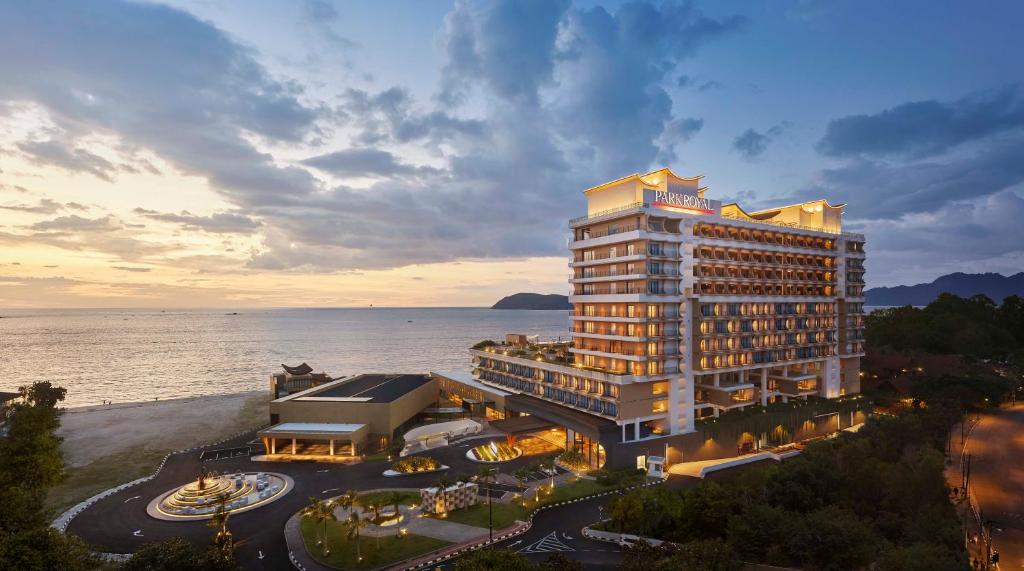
column 200, row 498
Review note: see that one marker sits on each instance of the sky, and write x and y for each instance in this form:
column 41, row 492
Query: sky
column 429, row 153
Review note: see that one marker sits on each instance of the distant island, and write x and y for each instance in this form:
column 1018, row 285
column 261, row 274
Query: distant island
column 533, row 301
column 995, row 286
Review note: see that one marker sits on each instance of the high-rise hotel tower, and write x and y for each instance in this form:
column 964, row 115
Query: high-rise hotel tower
column 685, row 308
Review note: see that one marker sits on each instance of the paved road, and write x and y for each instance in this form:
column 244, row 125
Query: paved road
column 997, row 476
column 120, row 524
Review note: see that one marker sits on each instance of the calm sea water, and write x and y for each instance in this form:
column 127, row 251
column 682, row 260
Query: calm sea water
column 129, row 355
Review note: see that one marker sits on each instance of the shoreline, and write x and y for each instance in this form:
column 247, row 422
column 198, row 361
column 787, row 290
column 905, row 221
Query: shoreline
column 156, row 402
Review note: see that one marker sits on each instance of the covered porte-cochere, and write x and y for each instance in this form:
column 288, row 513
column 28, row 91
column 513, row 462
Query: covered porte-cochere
column 564, row 427
column 318, row 440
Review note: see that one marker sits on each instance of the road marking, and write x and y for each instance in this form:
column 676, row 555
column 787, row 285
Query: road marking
column 516, row 543
column 549, row 544
column 260, row 554
column 322, row 471
column 132, row 498
column 137, row 533
column 330, row 490
column 567, row 537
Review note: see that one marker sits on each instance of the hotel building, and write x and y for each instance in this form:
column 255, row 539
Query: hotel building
column 685, row 308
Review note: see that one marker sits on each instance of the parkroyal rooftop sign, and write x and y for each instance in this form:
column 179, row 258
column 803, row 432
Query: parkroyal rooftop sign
column 689, row 203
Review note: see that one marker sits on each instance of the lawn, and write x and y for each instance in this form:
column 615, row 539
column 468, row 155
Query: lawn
column 342, row 553
column 406, row 498
column 506, row 514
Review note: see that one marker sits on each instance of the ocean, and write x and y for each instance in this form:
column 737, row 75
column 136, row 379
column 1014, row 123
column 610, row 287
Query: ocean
column 134, row 355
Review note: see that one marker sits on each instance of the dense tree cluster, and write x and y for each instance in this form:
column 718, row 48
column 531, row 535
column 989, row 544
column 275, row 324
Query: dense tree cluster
column 506, row 560
column 974, row 327
column 878, row 496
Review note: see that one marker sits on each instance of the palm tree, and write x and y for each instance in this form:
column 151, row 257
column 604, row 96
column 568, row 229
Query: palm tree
column 520, row 475
column 219, row 521
column 321, row 511
column 374, row 508
column 394, row 499
column 355, row 523
column 486, row 475
column 443, row 485
column 349, row 500
column 548, row 465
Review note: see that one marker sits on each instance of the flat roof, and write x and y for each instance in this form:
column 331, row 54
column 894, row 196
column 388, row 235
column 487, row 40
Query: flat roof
column 313, row 427
column 467, row 379
column 364, row 388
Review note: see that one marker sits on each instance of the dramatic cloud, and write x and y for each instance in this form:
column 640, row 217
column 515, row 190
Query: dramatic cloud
column 752, row 144
column 364, row 162
column 219, row 223
column 924, row 128
column 161, row 79
column 63, row 155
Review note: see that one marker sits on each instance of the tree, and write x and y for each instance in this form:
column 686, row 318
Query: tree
column 493, row 560
column 32, row 460
column 520, row 475
column 626, row 511
column 321, row 512
column 559, row 562
column 219, row 521
column 176, row 554
column 355, row 525
column 44, row 548
column 486, row 475
column 442, row 491
column 349, row 500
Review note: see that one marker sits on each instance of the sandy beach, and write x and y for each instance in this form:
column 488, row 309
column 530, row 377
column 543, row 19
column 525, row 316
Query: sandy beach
column 105, row 445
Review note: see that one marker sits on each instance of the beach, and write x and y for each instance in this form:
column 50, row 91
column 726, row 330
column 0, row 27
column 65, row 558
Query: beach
column 106, row 445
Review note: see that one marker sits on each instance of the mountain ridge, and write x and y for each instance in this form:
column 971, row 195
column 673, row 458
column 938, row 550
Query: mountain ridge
column 994, row 285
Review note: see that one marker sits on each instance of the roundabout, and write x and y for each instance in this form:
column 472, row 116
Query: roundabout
column 202, row 497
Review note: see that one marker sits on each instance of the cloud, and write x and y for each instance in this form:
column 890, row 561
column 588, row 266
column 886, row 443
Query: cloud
column 360, row 162
column 924, row 128
column 571, row 97
column 132, row 269
column 63, row 155
column 44, row 206
column 218, row 223
column 983, row 234
column 75, row 223
column 162, row 80
column 752, row 143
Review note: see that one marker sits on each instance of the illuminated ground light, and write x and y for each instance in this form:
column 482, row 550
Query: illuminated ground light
column 238, row 492
column 493, row 452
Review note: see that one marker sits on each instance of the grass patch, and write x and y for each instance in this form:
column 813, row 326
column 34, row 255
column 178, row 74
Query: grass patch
column 518, row 509
column 405, row 498
column 504, row 515
column 102, row 474
column 342, row 553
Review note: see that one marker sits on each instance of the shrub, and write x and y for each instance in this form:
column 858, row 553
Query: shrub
column 415, row 464
column 483, row 344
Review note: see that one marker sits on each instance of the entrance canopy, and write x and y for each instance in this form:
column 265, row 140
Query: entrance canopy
column 316, row 431
column 522, row 424
column 443, row 429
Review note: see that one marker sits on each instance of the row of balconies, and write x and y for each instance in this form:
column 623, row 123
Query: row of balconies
column 762, row 274
column 766, row 324
column 740, row 234
column 782, row 289
column 762, row 257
